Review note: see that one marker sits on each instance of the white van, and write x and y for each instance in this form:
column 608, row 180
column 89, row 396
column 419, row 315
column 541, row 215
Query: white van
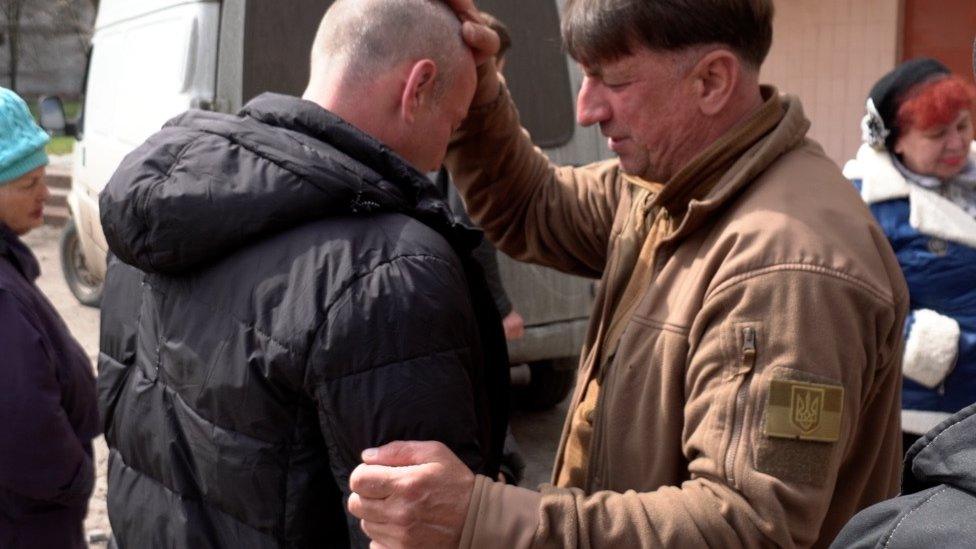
column 151, row 60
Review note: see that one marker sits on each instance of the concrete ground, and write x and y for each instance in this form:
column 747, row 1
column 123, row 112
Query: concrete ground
column 537, row 433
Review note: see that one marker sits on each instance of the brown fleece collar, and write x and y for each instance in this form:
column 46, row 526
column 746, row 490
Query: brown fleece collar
column 700, row 176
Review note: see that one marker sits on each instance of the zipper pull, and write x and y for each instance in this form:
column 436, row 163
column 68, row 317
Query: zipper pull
column 748, row 359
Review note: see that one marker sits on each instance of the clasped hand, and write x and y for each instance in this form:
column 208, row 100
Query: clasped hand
column 411, row 494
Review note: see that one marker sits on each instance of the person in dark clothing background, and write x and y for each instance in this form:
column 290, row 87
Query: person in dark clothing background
column 48, row 415
column 290, row 290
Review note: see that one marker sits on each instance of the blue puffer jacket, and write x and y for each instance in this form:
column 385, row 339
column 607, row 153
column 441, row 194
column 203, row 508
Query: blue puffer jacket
column 935, row 241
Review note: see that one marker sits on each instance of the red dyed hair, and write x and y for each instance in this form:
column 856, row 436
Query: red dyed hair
column 936, row 103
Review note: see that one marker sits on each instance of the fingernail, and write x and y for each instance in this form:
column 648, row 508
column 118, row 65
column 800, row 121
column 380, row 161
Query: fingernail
column 370, row 453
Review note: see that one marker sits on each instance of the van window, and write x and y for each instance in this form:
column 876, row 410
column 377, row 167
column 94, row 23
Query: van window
column 131, row 73
column 277, row 44
column 83, row 94
column 536, row 68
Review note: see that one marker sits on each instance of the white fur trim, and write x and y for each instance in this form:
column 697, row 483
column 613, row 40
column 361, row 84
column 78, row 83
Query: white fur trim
column 880, row 179
column 919, row 422
column 935, row 215
column 931, row 348
column 931, row 214
column 852, row 169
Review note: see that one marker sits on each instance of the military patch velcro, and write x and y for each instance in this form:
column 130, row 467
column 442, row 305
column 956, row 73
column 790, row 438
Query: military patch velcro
column 804, row 411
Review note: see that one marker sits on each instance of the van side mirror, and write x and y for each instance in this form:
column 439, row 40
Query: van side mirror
column 52, row 116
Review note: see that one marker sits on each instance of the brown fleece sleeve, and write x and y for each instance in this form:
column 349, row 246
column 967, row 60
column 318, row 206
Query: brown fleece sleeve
column 500, row 511
column 810, row 325
column 560, row 217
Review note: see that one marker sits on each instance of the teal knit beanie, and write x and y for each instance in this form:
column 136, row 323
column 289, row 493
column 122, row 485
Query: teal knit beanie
column 21, row 139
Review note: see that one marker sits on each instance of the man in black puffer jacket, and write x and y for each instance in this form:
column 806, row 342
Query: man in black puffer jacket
column 289, row 291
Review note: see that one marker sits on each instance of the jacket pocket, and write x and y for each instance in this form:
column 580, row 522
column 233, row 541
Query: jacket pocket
column 741, row 373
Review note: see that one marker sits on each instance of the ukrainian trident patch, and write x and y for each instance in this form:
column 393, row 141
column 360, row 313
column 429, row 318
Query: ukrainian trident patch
column 806, row 404
column 804, row 411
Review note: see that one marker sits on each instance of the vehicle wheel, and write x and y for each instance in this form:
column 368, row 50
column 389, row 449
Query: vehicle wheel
column 83, row 284
column 550, row 382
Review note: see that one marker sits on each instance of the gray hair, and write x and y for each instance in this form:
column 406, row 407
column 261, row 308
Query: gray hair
column 371, row 36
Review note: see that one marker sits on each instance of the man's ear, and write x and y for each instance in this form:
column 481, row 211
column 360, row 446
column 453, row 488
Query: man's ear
column 419, row 88
column 716, row 76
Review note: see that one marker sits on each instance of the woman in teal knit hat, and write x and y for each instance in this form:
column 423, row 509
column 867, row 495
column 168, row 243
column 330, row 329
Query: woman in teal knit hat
column 22, row 161
column 47, row 390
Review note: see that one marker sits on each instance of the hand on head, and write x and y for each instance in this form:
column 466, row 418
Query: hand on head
column 482, row 40
column 411, row 494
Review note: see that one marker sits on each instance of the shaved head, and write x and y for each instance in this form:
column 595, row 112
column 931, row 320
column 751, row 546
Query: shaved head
column 361, row 38
column 398, row 70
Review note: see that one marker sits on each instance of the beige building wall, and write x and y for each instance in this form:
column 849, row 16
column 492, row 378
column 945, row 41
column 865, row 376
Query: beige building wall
column 830, row 53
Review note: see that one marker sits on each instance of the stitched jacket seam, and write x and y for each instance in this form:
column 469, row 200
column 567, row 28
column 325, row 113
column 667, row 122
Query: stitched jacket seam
column 350, row 284
column 166, row 176
column 663, row 326
column 805, row 268
column 944, row 431
column 921, row 504
column 402, row 360
column 228, row 314
column 183, row 496
column 279, row 163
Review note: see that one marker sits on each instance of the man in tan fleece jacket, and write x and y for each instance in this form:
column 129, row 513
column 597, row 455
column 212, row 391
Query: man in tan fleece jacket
column 740, row 381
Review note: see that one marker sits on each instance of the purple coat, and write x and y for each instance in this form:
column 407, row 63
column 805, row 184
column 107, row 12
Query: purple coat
column 48, row 414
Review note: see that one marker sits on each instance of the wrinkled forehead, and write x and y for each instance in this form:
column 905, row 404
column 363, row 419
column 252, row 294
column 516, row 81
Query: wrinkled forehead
column 641, row 62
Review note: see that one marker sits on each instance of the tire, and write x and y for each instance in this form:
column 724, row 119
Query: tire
column 82, row 283
column 550, row 383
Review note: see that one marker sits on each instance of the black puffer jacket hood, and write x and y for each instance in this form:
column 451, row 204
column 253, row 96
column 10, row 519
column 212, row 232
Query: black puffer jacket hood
column 172, row 227
column 938, row 501
column 289, row 294
column 945, row 455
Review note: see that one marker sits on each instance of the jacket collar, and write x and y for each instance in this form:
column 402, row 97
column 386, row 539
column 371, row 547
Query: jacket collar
column 309, row 119
column 14, row 249
column 418, row 193
column 779, row 127
column 704, row 172
column 930, row 213
column 420, row 197
column 945, row 455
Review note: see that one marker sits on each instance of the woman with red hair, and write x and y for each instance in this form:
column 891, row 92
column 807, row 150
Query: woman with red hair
column 917, row 173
